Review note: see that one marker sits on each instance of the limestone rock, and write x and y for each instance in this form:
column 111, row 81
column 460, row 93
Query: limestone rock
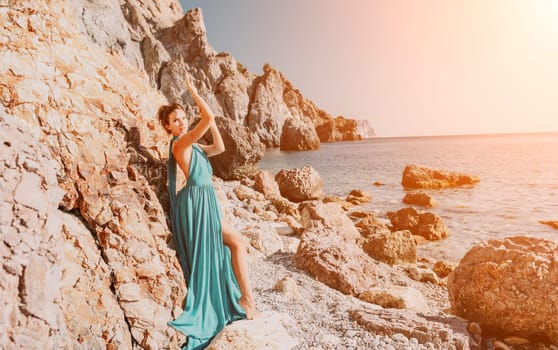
column 336, row 199
column 286, row 207
column 332, row 259
column 300, row 184
column 265, row 183
column 427, row 225
column 95, row 114
column 104, row 23
column 444, row 332
column 420, row 177
column 358, row 197
column 420, row 198
column 397, row 298
column 338, row 129
column 369, row 225
column 443, row 268
column 422, row 274
column 298, row 135
column 510, row 285
column 392, row 248
column 242, row 149
column 264, row 238
column 265, row 332
column 268, row 111
column 329, row 215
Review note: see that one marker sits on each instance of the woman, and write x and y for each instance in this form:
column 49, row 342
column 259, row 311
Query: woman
column 213, row 299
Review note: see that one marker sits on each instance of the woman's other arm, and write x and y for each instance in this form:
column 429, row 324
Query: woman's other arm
column 207, row 118
column 218, row 145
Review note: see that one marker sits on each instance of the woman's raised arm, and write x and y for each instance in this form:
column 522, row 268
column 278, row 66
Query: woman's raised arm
column 207, row 118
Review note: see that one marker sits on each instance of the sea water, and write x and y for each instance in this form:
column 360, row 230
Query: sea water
column 518, row 182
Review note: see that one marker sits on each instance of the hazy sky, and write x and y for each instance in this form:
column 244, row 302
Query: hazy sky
column 428, row 67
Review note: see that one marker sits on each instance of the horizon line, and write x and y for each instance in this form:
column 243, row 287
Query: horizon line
column 461, row 135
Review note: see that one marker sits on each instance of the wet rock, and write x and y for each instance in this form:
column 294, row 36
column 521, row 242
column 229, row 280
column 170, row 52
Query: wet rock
column 336, row 199
column 427, row 225
column 518, row 277
column 358, row 197
column 553, row 224
column 420, row 177
column 420, row 198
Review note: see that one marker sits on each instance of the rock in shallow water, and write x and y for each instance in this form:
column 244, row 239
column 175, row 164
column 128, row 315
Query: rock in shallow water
column 420, row 177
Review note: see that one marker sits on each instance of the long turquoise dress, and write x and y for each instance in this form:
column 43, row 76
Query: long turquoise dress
column 212, row 298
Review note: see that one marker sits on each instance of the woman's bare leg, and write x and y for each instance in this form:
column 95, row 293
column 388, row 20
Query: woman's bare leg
column 235, row 242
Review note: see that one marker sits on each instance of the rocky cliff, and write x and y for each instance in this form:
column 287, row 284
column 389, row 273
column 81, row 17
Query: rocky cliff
column 254, row 108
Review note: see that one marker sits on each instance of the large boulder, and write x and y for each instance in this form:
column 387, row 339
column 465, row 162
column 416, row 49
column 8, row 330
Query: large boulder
column 298, row 135
column 329, row 215
column 300, row 184
column 336, row 261
column 420, row 177
column 509, row 286
column 242, row 150
column 427, row 225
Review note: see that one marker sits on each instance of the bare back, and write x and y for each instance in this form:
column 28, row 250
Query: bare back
column 183, row 159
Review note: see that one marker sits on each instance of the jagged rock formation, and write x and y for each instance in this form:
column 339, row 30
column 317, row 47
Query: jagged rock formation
column 338, row 129
column 91, row 111
column 153, row 37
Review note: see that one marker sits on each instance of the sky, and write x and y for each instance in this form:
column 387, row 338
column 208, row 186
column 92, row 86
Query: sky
column 410, row 67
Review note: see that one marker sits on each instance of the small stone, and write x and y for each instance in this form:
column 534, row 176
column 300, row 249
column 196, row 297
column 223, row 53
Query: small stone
column 400, row 338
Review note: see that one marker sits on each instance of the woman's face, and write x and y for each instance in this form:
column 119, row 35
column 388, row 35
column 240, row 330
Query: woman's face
column 178, row 123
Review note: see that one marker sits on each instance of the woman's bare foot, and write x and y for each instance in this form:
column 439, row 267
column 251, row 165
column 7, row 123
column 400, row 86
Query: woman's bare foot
column 249, row 307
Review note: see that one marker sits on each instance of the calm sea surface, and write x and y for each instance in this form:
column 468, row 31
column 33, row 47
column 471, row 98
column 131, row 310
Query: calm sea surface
column 518, row 187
